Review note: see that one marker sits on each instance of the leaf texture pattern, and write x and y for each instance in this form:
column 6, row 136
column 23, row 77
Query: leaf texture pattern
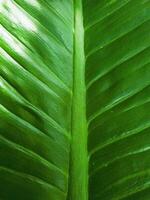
column 74, row 99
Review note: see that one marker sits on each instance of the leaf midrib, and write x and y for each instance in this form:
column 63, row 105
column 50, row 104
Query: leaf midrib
column 78, row 183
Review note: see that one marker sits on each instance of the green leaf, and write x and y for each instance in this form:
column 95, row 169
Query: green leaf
column 74, row 99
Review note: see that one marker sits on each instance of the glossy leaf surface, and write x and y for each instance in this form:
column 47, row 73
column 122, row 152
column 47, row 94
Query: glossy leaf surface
column 74, row 99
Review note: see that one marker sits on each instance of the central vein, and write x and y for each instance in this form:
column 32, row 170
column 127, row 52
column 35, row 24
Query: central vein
column 78, row 186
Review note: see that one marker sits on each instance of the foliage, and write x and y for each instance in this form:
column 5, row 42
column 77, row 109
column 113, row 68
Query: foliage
column 74, row 99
